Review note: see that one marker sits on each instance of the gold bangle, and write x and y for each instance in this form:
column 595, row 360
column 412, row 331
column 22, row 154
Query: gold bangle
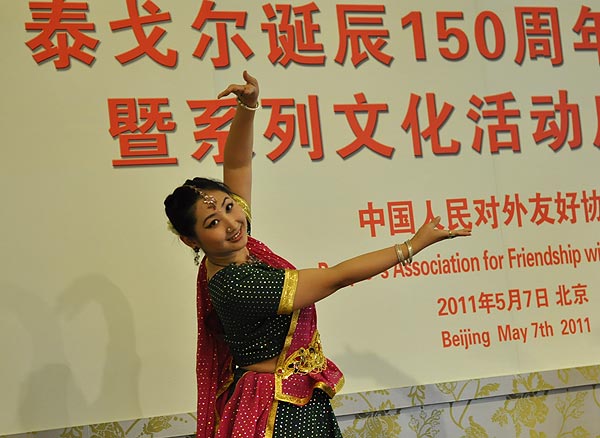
column 249, row 108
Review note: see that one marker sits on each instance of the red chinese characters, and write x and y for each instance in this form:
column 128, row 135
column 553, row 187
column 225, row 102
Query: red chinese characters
column 514, row 209
column 284, row 126
column 597, row 139
column 435, row 123
column 141, row 126
column 292, row 33
column 399, row 213
column 371, row 218
column 490, row 301
column 566, row 207
column 538, row 31
column 207, row 14
column 146, row 43
column 512, row 300
column 294, row 122
column 539, row 210
column 516, row 300
column 63, row 32
column 401, row 217
column 557, row 121
column 294, row 38
column 575, row 295
column 364, row 134
column 588, row 28
column 590, row 203
column 486, row 212
column 354, row 29
column 215, row 115
column 501, row 128
column 459, row 215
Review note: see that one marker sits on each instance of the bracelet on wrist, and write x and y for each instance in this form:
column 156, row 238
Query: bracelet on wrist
column 249, row 108
column 399, row 253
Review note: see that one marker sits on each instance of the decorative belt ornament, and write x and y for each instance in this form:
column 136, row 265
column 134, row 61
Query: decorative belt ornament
column 305, row 360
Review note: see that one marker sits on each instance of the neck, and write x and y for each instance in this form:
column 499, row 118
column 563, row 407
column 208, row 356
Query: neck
column 242, row 257
column 223, row 265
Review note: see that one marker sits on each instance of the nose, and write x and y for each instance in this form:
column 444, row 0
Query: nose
column 230, row 225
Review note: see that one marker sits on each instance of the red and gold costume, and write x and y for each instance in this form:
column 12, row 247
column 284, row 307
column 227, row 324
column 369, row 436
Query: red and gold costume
column 245, row 316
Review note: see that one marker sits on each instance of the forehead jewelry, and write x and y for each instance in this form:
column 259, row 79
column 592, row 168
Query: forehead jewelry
column 209, row 200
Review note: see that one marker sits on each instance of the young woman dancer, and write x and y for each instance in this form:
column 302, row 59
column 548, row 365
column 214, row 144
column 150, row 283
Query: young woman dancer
column 261, row 370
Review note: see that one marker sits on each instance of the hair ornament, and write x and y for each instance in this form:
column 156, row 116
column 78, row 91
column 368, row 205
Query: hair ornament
column 208, row 200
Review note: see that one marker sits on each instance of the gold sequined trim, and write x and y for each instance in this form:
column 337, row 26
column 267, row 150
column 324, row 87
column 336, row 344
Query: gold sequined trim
column 305, row 360
column 301, row 401
column 286, row 347
column 337, row 387
column 271, row 421
column 279, row 395
column 290, row 283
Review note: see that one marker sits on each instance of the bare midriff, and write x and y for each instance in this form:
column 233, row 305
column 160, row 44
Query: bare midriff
column 266, row 366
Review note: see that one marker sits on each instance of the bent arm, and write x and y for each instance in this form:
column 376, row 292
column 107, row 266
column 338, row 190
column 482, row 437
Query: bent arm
column 237, row 164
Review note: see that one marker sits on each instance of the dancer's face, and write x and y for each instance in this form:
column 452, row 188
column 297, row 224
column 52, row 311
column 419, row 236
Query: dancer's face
column 221, row 226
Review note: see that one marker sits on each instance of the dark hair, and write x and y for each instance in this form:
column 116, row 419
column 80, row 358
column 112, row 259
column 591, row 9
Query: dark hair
column 179, row 205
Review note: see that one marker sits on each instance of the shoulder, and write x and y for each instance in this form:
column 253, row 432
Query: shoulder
column 237, row 282
column 245, row 272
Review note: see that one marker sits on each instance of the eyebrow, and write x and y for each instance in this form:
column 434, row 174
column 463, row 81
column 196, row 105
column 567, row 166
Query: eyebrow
column 212, row 214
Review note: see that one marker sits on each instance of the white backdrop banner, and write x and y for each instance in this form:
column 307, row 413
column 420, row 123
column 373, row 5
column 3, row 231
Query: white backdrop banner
column 376, row 116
